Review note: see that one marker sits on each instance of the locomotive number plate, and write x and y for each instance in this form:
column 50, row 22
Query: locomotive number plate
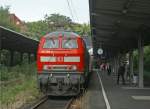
column 60, row 59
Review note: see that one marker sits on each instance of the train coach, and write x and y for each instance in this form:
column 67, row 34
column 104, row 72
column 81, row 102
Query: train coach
column 62, row 63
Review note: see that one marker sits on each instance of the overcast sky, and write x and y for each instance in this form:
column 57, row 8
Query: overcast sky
column 33, row 10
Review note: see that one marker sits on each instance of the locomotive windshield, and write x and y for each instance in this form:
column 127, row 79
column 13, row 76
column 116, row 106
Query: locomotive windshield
column 69, row 43
column 51, row 43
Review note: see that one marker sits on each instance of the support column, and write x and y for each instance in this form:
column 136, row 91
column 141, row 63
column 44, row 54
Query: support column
column 114, row 62
column 113, row 65
column 11, row 58
column 0, row 45
column 118, row 62
column 93, row 34
column 35, row 57
column 29, row 57
column 116, row 66
column 21, row 57
column 141, row 60
column 1, row 92
column 131, row 65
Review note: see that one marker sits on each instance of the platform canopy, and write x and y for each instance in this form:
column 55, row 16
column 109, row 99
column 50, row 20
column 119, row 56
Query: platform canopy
column 117, row 24
column 13, row 41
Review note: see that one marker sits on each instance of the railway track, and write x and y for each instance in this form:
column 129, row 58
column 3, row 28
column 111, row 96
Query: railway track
column 53, row 103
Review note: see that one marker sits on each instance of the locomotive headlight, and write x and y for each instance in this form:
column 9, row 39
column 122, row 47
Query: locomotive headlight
column 71, row 59
column 45, row 67
column 74, row 67
column 68, row 75
column 47, row 59
column 51, row 75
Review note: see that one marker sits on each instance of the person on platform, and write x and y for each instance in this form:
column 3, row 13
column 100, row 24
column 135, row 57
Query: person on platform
column 108, row 69
column 121, row 72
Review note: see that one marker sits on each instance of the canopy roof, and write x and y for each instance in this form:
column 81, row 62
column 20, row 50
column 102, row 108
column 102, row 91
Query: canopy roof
column 14, row 41
column 117, row 24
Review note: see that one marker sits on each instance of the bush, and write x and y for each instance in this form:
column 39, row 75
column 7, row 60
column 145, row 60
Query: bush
column 146, row 59
column 19, row 71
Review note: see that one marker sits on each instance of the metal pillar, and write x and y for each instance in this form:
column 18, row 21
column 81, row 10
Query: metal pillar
column 35, row 57
column 116, row 65
column 1, row 92
column 0, row 45
column 118, row 62
column 113, row 65
column 21, row 58
column 141, row 60
column 29, row 57
column 131, row 64
column 11, row 58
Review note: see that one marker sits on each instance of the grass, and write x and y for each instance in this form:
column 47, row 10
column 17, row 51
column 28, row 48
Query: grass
column 9, row 93
column 19, row 71
column 22, row 91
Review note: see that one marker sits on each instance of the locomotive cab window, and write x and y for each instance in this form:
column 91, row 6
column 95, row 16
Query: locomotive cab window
column 69, row 43
column 51, row 43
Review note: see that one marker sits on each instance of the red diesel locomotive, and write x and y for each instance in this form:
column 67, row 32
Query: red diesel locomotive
column 63, row 64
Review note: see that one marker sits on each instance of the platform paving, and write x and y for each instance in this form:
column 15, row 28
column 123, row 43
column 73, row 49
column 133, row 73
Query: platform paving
column 121, row 97
column 96, row 100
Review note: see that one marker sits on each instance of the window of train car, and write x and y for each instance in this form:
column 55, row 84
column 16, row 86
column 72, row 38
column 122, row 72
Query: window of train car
column 51, row 43
column 69, row 43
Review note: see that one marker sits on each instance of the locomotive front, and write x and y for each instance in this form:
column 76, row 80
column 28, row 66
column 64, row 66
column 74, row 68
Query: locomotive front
column 61, row 64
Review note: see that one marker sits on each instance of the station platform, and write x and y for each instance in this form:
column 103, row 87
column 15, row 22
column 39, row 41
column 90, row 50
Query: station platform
column 95, row 96
column 123, row 96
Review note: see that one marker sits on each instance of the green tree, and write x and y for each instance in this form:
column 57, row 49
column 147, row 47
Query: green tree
column 37, row 29
column 56, row 21
column 146, row 58
column 82, row 29
column 50, row 23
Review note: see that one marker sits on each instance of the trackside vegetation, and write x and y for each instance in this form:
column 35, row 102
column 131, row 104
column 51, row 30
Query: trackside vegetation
column 20, row 87
column 146, row 64
column 146, row 60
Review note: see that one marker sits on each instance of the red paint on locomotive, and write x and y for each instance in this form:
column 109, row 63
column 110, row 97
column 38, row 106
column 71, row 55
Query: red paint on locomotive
column 61, row 53
column 62, row 63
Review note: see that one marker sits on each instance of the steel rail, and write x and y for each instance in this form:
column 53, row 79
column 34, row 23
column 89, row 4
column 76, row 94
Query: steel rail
column 69, row 103
column 53, row 104
column 42, row 100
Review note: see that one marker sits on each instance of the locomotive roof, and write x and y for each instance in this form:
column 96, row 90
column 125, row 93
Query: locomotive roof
column 62, row 33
